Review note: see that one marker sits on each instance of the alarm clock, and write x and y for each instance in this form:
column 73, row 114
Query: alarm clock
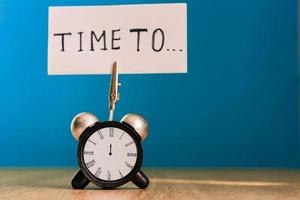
column 109, row 153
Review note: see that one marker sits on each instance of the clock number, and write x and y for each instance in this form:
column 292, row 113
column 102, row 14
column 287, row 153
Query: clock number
column 90, row 163
column 121, row 174
column 100, row 134
column 131, row 154
column 111, row 132
column 88, row 152
column 126, row 145
column 94, row 143
column 121, row 135
column 128, row 165
column 98, row 172
column 108, row 175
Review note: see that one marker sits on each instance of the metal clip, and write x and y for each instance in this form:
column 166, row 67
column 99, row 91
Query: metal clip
column 114, row 95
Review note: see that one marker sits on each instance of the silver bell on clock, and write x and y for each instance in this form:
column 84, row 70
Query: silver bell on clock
column 138, row 122
column 80, row 122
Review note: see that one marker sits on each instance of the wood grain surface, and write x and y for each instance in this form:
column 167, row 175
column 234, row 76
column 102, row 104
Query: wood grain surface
column 54, row 184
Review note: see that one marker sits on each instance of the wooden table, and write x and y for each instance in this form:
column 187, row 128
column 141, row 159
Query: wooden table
column 166, row 184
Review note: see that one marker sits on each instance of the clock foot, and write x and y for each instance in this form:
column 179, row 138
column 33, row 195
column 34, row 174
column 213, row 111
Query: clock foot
column 141, row 180
column 79, row 181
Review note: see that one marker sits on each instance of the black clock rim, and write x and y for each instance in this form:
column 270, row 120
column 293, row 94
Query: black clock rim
column 83, row 139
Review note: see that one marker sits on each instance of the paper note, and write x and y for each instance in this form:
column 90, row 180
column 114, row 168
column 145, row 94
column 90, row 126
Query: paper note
column 145, row 38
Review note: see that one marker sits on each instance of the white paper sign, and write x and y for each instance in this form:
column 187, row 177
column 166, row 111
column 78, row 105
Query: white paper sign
column 146, row 38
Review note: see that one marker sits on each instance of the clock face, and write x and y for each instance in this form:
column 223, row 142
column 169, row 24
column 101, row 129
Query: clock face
column 110, row 153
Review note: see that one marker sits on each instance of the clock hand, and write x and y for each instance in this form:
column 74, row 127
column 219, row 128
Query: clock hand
column 110, row 146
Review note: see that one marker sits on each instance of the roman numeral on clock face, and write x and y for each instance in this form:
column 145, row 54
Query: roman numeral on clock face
column 100, row 134
column 121, row 174
column 131, row 154
column 126, row 145
column 90, row 163
column 94, row 143
column 98, row 172
column 88, row 152
column 128, row 165
column 111, row 132
column 121, row 135
column 108, row 175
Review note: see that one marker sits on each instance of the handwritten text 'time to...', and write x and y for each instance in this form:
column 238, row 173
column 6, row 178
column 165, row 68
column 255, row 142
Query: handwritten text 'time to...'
column 142, row 38
column 111, row 40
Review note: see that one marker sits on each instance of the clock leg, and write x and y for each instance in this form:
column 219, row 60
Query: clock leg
column 141, row 180
column 79, row 181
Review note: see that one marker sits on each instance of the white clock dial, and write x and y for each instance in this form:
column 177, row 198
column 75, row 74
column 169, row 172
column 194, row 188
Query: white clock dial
column 110, row 153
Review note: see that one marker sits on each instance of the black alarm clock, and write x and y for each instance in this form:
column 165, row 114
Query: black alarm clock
column 109, row 153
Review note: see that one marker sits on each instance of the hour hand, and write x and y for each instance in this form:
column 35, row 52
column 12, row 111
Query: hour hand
column 110, row 146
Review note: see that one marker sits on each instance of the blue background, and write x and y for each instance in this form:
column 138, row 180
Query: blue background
column 238, row 106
